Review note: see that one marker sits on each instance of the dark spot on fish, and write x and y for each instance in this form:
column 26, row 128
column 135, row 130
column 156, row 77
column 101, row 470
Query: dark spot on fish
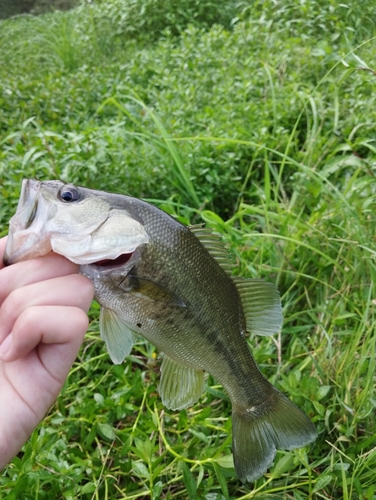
column 139, row 325
column 119, row 261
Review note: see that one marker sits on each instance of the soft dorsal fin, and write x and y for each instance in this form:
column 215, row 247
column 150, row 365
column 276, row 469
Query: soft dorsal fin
column 261, row 304
column 180, row 386
column 214, row 245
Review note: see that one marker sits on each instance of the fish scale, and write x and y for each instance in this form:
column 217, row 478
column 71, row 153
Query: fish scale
column 172, row 285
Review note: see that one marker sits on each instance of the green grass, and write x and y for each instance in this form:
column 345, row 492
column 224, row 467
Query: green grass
column 263, row 127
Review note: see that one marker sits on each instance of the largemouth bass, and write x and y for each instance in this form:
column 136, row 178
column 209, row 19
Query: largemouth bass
column 172, row 285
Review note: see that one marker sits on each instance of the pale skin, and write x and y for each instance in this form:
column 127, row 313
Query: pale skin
column 43, row 320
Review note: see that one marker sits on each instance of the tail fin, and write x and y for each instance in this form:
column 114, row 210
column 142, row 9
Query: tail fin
column 259, row 431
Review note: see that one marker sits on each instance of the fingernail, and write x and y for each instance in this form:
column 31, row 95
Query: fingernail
column 4, row 347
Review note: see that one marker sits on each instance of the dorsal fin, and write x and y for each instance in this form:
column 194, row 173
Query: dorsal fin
column 261, row 305
column 214, row 245
column 260, row 299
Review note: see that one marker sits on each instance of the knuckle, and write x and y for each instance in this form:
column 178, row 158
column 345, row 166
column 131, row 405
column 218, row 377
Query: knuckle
column 25, row 322
column 14, row 303
column 82, row 321
column 28, row 318
column 86, row 290
column 88, row 286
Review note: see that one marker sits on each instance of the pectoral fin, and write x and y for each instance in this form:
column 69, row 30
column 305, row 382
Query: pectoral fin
column 151, row 290
column 180, row 386
column 262, row 305
column 119, row 337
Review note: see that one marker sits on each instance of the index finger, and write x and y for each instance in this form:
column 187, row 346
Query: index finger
column 35, row 270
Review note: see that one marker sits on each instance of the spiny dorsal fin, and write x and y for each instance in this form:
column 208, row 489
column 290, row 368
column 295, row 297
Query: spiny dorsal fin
column 261, row 304
column 180, row 386
column 117, row 334
column 260, row 299
column 214, row 245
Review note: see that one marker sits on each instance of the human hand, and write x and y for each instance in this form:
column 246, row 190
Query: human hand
column 43, row 306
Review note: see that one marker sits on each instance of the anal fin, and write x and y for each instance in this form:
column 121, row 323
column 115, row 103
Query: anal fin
column 180, row 386
column 117, row 334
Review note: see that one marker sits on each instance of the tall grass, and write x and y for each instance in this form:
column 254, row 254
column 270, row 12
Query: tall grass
column 277, row 154
column 179, row 172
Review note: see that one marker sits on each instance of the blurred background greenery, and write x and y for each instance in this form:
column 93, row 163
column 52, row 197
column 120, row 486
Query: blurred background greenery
column 9, row 8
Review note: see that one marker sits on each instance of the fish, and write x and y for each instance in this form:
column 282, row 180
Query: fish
column 172, row 285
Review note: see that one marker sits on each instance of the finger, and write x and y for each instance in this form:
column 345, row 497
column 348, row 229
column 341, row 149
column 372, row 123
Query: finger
column 58, row 331
column 31, row 271
column 72, row 290
column 3, row 242
column 32, row 383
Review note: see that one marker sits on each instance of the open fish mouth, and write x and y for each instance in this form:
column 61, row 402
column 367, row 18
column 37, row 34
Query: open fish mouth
column 25, row 239
column 114, row 263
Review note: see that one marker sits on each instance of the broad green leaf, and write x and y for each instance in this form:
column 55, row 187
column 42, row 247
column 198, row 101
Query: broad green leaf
column 107, row 431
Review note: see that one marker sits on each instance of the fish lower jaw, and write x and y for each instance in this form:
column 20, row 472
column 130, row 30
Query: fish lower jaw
column 26, row 247
column 95, row 270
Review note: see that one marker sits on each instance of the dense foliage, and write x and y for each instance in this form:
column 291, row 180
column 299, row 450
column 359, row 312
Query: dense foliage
column 259, row 119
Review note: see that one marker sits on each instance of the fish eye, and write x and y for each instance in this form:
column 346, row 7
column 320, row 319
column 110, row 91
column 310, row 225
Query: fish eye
column 69, row 193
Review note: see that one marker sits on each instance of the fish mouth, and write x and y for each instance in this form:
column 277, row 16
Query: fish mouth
column 25, row 238
column 121, row 265
column 114, row 263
